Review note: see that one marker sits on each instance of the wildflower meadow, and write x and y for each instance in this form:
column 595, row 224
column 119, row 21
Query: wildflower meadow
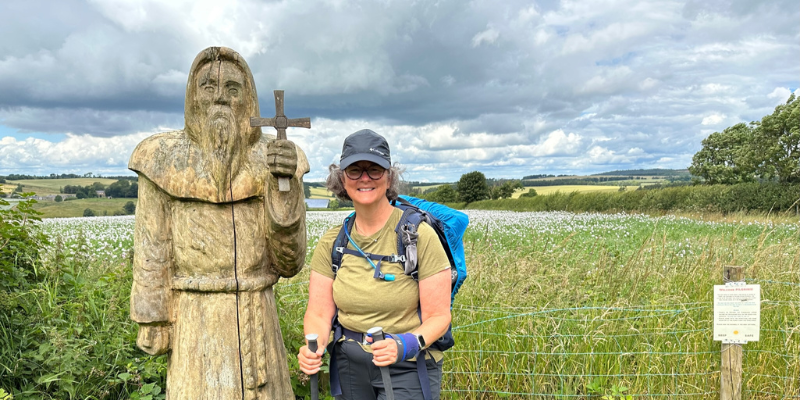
column 556, row 305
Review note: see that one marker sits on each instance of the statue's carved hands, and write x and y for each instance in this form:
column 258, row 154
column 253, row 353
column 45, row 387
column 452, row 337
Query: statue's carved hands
column 282, row 158
column 153, row 339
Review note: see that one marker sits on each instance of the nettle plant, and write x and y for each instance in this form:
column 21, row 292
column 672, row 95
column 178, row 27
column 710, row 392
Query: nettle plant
column 616, row 392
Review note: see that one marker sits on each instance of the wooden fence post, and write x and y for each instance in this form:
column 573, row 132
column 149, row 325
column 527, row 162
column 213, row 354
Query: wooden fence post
column 731, row 369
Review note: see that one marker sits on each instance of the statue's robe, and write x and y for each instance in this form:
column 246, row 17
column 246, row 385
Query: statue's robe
column 205, row 261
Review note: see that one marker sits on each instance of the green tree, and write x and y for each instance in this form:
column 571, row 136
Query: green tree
column 129, row 208
column 506, row 190
column 119, row 188
column 88, row 212
column 777, row 142
column 306, row 190
column 726, row 157
column 444, row 194
column 59, row 199
column 768, row 149
column 529, row 193
column 472, row 187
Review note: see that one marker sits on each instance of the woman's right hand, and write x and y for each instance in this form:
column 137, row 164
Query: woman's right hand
column 310, row 362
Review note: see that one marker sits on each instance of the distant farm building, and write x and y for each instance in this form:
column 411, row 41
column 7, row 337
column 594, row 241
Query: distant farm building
column 101, row 193
column 317, row 203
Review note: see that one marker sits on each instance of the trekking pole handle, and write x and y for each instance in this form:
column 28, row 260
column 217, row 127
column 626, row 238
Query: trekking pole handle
column 312, row 345
column 376, row 333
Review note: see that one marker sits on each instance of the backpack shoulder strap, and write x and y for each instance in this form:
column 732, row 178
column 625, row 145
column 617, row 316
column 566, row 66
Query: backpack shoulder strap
column 340, row 244
column 407, row 231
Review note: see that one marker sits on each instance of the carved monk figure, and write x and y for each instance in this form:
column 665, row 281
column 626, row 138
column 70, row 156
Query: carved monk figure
column 213, row 234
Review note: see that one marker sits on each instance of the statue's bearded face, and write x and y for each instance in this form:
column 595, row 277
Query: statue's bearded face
column 221, row 109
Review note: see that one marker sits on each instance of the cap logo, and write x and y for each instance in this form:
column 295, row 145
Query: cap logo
column 377, row 151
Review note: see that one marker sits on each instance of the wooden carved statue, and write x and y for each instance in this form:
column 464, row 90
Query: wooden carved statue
column 213, row 235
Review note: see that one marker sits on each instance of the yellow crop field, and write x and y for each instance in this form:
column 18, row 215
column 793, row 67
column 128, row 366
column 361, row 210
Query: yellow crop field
column 320, row 193
column 43, row 187
column 542, row 190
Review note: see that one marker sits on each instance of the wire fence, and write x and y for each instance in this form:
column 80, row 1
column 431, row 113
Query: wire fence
column 643, row 351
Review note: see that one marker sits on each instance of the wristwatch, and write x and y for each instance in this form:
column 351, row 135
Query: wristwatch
column 421, row 341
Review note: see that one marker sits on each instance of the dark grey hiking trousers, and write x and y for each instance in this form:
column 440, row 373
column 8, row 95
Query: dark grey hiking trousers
column 361, row 379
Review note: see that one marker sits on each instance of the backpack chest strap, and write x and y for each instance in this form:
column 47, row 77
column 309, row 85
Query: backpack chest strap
column 377, row 257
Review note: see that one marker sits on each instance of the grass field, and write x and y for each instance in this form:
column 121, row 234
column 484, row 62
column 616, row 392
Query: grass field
column 543, row 190
column 556, row 306
column 562, row 305
column 75, row 208
column 43, row 187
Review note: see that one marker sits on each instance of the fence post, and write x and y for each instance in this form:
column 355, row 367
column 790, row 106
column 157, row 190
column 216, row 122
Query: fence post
column 731, row 370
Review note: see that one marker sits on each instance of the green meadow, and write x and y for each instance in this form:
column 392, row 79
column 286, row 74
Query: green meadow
column 43, row 187
column 556, row 305
column 76, row 207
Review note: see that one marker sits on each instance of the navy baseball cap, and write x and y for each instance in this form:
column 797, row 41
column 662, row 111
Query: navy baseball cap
column 365, row 145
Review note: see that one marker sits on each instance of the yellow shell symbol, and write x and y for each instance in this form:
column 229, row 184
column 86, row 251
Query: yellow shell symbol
column 735, row 332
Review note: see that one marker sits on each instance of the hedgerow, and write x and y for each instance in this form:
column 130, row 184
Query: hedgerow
column 764, row 197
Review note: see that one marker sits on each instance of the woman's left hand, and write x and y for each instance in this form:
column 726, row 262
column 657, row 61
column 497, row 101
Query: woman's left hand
column 384, row 352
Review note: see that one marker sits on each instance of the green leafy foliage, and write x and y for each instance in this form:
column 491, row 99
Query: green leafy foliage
column 505, row 189
column 767, row 150
column 122, row 188
column 64, row 326
column 442, row 194
column 765, row 197
column 20, row 241
column 726, row 157
column 129, row 208
column 472, row 187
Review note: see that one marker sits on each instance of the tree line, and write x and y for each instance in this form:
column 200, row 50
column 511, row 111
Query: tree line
column 120, row 188
column 766, row 150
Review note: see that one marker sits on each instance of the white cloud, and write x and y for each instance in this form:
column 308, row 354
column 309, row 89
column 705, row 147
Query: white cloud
column 558, row 142
column 488, row 36
column 780, row 94
column 75, row 154
column 713, row 119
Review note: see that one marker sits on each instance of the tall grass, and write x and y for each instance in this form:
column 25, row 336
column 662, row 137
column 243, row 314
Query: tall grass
column 562, row 305
column 556, row 305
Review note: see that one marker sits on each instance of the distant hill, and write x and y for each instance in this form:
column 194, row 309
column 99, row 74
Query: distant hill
column 647, row 172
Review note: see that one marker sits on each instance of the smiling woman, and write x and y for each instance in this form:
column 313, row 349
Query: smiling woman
column 411, row 311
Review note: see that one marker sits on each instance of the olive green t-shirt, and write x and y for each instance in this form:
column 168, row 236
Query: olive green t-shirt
column 365, row 302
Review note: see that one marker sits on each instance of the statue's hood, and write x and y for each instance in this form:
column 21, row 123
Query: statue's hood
column 175, row 164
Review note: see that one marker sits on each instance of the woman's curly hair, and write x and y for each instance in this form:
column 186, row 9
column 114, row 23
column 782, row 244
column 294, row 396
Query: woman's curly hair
column 335, row 184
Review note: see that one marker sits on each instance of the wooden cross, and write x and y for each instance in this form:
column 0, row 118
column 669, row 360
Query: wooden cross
column 280, row 122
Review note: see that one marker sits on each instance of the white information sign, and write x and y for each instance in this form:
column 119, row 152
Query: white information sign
column 737, row 313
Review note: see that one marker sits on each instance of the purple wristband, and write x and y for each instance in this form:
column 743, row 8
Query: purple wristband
column 409, row 343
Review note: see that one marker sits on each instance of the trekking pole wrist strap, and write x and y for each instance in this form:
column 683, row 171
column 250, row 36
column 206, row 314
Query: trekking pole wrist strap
column 407, row 345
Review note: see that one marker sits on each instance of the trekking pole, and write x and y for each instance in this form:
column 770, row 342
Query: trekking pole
column 312, row 345
column 377, row 334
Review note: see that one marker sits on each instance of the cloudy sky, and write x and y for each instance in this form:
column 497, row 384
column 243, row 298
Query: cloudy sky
column 509, row 88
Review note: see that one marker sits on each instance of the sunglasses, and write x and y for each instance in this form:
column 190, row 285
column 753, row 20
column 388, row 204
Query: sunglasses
column 355, row 172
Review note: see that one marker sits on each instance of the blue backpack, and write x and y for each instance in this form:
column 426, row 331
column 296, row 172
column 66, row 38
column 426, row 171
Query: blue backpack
column 449, row 225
